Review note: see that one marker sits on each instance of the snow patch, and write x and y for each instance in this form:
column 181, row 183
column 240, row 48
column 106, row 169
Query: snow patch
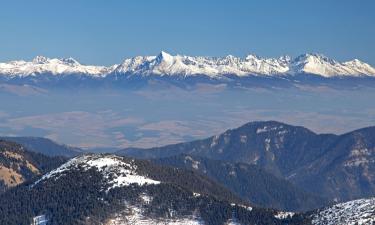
column 194, row 163
column 256, row 159
column 267, row 144
column 360, row 156
column 361, row 211
column 214, row 141
column 146, row 198
column 268, row 129
column 249, row 208
column 135, row 215
column 232, row 173
column 233, row 222
column 284, row 215
column 243, row 139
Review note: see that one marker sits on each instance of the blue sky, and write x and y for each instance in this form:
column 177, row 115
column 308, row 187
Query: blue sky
column 106, row 32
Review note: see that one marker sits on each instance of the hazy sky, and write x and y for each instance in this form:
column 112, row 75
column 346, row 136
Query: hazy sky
column 106, row 32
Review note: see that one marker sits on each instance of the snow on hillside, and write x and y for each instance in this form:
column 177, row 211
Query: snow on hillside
column 284, row 215
column 135, row 215
column 115, row 170
column 360, row 211
column 165, row 64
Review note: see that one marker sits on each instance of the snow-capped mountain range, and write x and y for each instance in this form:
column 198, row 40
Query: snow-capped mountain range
column 165, row 64
column 43, row 65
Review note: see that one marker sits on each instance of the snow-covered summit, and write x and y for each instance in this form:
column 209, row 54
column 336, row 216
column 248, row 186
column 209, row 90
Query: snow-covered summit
column 116, row 171
column 321, row 65
column 165, row 64
column 44, row 65
column 40, row 59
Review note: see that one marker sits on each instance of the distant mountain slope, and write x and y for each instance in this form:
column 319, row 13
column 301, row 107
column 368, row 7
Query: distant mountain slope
column 107, row 189
column 340, row 167
column 346, row 170
column 277, row 147
column 45, row 146
column 18, row 165
column 250, row 182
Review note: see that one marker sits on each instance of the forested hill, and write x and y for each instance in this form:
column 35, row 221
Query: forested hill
column 249, row 182
column 97, row 189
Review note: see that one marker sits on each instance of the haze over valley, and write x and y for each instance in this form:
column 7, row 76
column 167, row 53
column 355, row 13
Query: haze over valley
column 163, row 114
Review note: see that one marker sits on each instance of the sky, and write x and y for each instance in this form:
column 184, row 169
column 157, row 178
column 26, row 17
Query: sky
column 106, row 32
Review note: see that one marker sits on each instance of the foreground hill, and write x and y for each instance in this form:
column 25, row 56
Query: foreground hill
column 107, row 189
column 18, row 165
column 361, row 211
column 339, row 167
column 250, row 182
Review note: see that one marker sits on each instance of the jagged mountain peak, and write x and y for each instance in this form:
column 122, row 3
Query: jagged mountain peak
column 70, row 60
column 45, row 60
column 231, row 57
column 250, row 57
column 40, row 59
column 164, row 56
column 314, row 58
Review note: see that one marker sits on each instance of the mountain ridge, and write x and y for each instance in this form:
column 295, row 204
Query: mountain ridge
column 338, row 167
column 165, row 64
column 250, row 182
column 44, row 146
